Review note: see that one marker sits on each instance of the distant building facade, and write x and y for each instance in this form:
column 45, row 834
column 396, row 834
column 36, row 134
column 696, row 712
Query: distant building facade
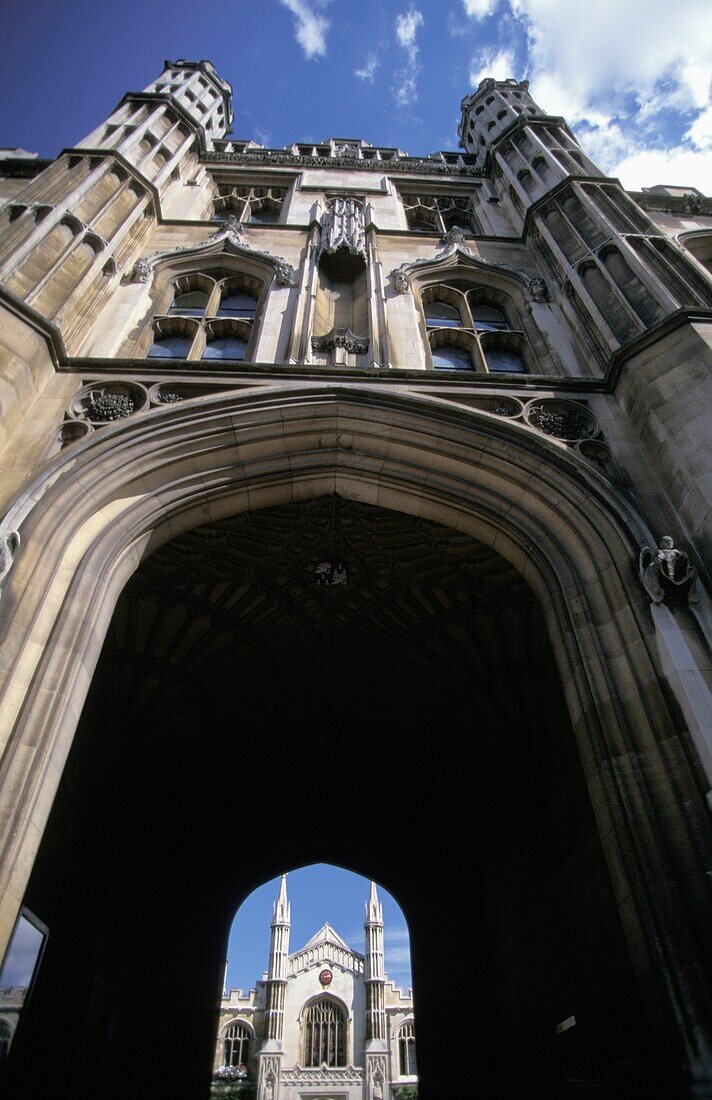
column 324, row 1020
column 467, row 396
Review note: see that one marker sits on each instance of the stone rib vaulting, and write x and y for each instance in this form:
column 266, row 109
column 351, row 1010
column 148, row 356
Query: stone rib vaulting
column 355, row 508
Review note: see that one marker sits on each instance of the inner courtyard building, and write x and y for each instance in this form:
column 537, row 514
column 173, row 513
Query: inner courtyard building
column 355, row 509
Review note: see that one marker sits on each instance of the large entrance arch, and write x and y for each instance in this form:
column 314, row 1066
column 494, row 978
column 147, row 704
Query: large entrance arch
column 89, row 521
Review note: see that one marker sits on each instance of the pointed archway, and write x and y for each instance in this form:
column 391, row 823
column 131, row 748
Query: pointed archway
column 558, row 524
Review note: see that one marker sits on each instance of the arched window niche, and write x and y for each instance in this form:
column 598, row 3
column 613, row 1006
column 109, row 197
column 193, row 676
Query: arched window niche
column 208, row 315
column 319, row 962
column 471, row 327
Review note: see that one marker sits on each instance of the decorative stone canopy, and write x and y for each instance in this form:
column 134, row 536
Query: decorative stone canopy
column 227, row 241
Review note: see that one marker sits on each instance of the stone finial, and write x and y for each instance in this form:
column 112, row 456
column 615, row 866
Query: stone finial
column 231, row 227
column 665, row 571
column 454, row 238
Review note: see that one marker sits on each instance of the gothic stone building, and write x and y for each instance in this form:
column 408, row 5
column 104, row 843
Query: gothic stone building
column 324, row 1021
column 355, row 508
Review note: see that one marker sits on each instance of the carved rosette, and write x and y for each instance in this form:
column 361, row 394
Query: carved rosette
column 562, row 419
column 102, row 403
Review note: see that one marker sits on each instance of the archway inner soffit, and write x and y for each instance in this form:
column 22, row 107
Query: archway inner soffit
column 232, row 608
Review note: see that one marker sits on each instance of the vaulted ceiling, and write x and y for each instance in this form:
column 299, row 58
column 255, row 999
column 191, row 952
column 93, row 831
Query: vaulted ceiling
column 230, row 613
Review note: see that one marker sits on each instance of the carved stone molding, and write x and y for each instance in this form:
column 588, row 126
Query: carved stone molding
column 343, row 226
column 227, row 239
column 340, row 338
column 102, row 403
column 421, row 166
column 323, row 1075
column 457, row 252
column 9, row 545
column 666, row 573
column 376, row 1076
column 563, row 419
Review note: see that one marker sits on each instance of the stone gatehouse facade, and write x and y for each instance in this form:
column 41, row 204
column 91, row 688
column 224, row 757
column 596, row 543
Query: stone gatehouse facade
column 360, row 501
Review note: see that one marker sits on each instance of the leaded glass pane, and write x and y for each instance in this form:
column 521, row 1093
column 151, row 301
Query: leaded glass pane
column 451, row 357
column 170, row 347
column 191, row 303
column 441, row 315
column 238, row 304
column 500, row 359
column 489, row 319
column 225, row 347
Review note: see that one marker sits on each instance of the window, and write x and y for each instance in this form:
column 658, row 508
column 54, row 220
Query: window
column 451, row 357
column 191, row 303
column 438, row 213
column 19, row 970
column 487, row 318
column 5, row 1040
column 325, row 1034
column 406, row 1051
column 236, row 1049
column 227, row 346
column 442, row 315
column 253, row 205
column 469, row 329
column 211, row 316
column 170, row 347
column 505, row 361
column 236, row 303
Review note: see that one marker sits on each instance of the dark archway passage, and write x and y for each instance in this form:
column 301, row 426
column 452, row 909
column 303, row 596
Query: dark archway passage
column 409, row 725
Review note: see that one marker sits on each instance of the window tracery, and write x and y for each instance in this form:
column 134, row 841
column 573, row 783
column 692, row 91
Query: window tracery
column 406, row 1050
column 236, row 1048
column 469, row 329
column 438, row 213
column 324, row 1034
column 211, row 316
column 250, row 205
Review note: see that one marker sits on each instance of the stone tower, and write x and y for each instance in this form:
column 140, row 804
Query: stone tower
column 327, row 451
column 270, row 1058
column 375, row 978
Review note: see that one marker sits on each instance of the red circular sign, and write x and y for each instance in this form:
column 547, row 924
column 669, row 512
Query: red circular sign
column 325, row 977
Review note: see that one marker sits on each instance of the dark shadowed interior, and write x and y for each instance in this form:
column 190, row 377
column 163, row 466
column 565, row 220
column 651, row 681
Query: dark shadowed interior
column 409, row 725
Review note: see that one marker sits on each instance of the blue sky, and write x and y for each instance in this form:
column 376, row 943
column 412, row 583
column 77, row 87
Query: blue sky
column 632, row 76
column 318, row 893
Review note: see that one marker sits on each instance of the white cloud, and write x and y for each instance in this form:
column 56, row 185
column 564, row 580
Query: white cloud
column 596, row 53
column 309, row 25
column 495, row 63
column 407, row 27
column 405, row 80
column 700, row 133
column 678, row 166
column 631, row 73
column 369, row 68
column 478, row 9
